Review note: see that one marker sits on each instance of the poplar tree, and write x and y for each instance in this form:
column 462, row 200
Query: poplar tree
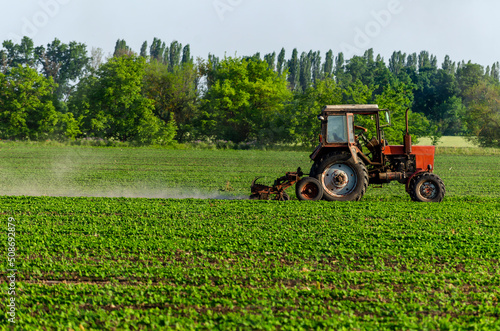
column 328, row 65
column 280, row 66
column 495, row 71
column 294, row 70
column 316, row 67
column 186, row 55
column 397, row 62
column 175, row 51
column 270, row 59
column 121, row 48
column 448, row 65
column 305, row 70
column 339, row 69
column 157, row 50
column 144, row 49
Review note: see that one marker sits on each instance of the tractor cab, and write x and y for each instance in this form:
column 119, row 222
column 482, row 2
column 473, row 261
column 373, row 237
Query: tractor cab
column 339, row 132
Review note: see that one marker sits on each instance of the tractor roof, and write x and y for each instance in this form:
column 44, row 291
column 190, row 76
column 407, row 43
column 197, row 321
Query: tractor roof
column 363, row 109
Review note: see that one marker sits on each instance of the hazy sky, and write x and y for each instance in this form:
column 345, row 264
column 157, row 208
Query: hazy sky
column 464, row 29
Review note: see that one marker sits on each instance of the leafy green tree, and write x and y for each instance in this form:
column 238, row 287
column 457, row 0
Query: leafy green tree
column 357, row 69
column 357, row 93
column 397, row 63
column 483, row 113
column 426, row 62
column 175, row 95
column 244, row 102
column 447, row 109
column 448, row 66
column 301, row 123
column 14, row 55
column 255, row 57
column 110, row 104
column 397, row 97
column 26, row 109
column 64, row 63
column 95, row 61
column 121, row 48
column 468, row 76
column 209, row 70
column 452, row 117
column 367, row 69
column 270, row 59
column 411, row 65
column 381, row 75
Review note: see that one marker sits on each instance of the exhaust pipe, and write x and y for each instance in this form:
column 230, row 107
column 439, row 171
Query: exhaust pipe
column 388, row 176
column 407, row 138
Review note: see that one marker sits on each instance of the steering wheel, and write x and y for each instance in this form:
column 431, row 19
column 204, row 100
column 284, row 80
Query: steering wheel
column 362, row 134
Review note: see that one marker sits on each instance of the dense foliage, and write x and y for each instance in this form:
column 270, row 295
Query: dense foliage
column 110, row 104
column 244, row 101
column 162, row 94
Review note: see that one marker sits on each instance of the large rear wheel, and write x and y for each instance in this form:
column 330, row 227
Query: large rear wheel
column 342, row 179
column 427, row 187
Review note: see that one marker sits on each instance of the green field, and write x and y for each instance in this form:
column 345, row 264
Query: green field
column 38, row 170
column 144, row 263
column 447, row 141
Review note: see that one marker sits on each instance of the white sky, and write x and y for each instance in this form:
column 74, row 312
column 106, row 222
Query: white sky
column 464, row 29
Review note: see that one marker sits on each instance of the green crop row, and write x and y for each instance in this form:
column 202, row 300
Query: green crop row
column 121, row 263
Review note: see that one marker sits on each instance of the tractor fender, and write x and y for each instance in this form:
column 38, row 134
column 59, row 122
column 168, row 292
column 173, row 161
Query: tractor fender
column 322, row 151
column 315, row 153
column 407, row 185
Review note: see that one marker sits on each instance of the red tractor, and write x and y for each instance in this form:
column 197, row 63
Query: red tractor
column 346, row 161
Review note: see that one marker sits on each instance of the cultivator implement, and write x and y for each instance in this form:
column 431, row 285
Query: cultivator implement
column 277, row 191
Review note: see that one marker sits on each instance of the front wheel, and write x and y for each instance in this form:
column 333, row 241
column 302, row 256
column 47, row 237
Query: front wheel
column 309, row 188
column 427, row 187
column 342, row 179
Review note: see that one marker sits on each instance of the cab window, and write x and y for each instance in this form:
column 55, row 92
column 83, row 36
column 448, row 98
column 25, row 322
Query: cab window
column 336, row 129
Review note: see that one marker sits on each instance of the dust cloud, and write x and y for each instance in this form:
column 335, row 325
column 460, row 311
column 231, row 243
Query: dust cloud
column 82, row 173
column 25, row 189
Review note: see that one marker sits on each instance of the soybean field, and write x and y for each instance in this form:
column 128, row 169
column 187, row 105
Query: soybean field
column 144, row 238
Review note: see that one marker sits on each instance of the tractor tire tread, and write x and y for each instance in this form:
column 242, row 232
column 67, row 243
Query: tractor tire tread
column 305, row 181
column 343, row 157
column 413, row 189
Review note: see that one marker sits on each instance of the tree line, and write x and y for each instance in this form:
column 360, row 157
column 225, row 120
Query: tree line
column 162, row 94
